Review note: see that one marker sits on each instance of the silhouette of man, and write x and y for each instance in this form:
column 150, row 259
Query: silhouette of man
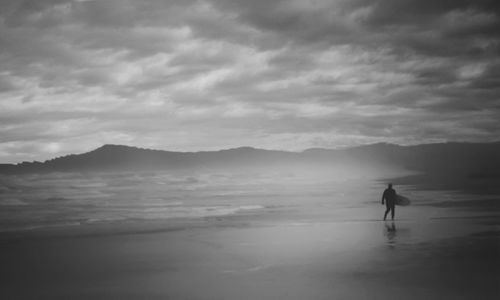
column 390, row 200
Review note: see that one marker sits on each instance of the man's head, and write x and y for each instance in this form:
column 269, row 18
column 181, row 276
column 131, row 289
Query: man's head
column 389, row 185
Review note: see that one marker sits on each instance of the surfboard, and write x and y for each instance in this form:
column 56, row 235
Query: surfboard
column 402, row 200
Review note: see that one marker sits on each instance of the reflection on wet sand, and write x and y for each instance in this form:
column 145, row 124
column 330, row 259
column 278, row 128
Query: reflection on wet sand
column 390, row 233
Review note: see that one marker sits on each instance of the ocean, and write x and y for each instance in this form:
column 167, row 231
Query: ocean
column 73, row 199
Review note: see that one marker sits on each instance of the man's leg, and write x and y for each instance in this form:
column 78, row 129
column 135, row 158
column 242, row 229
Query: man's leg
column 393, row 208
column 388, row 208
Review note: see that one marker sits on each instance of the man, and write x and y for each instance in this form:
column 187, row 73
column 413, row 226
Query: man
column 390, row 200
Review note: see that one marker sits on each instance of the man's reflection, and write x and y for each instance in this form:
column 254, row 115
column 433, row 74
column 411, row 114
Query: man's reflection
column 390, row 232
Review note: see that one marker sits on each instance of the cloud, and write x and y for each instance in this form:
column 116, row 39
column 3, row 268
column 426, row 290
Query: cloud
column 211, row 74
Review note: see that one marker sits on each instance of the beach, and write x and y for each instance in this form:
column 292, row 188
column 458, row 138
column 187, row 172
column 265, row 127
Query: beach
column 242, row 150
column 321, row 243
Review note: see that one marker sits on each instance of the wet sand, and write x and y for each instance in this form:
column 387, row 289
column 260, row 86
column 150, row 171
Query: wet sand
column 256, row 256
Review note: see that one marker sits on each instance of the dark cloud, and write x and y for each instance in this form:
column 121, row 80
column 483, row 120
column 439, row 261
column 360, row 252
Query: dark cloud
column 290, row 74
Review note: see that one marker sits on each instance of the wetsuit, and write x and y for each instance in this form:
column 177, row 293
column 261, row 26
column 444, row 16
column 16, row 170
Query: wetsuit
column 390, row 201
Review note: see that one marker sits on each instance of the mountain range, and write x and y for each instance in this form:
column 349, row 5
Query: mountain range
column 473, row 160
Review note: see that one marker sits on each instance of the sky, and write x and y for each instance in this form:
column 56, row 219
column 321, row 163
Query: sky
column 187, row 75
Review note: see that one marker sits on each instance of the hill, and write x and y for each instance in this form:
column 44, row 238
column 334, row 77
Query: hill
column 479, row 160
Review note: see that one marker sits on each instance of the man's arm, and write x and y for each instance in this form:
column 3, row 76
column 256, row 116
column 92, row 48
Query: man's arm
column 383, row 197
